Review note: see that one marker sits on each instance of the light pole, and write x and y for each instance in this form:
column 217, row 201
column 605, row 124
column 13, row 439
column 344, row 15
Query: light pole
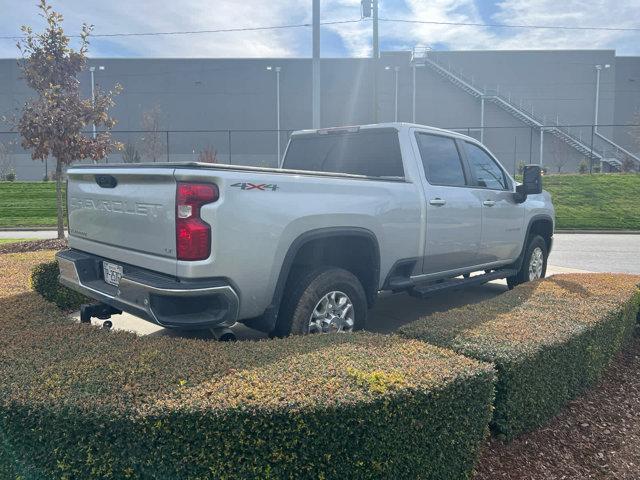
column 277, row 69
column 315, row 66
column 598, row 70
column 413, row 114
column 395, row 75
column 93, row 92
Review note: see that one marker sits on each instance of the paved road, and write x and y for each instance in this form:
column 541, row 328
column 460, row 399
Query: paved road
column 597, row 252
column 592, row 252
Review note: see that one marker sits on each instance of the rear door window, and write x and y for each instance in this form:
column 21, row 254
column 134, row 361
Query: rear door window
column 374, row 153
column 441, row 160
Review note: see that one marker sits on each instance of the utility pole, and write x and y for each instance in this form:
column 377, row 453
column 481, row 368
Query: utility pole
column 376, row 41
column 370, row 10
column 315, row 81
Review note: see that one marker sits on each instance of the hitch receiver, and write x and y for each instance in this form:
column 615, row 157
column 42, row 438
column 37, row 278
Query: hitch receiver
column 98, row 310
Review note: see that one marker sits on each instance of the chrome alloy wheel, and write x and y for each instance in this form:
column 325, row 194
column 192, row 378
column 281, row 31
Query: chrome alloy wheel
column 536, row 263
column 332, row 314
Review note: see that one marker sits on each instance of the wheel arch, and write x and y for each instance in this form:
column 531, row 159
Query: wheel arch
column 538, row 225
column 314, row 241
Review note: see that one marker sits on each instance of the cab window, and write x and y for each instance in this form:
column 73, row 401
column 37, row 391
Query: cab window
column 484, row 168
column 441, row 160
column 374, row 153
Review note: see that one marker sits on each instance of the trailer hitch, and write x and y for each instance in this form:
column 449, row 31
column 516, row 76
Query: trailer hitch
column 101, row 311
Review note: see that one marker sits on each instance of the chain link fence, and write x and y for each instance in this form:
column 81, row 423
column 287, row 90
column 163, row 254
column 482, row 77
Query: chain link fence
column 559, row 148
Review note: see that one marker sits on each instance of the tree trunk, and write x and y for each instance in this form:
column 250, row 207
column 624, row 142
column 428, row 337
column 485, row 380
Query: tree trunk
column 59, row 199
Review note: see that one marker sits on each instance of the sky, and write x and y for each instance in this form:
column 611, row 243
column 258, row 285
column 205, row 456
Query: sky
column 340, row 40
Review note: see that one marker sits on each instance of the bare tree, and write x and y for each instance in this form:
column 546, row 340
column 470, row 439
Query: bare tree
column 208, row 155
column 6, row 162
column 154, row 145
column 559, row 155
column 54, row 121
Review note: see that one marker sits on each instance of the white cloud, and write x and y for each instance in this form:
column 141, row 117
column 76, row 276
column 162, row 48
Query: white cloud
column 577, row 13
column 573, row 13
column 154, row 16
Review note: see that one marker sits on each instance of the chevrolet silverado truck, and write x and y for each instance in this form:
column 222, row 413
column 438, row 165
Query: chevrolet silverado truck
column 308, row 246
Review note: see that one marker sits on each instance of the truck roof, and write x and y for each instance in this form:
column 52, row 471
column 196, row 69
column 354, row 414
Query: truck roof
column 386, row 125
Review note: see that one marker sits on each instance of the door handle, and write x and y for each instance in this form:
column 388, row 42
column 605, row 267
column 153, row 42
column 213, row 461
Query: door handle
column 489, row 203
column 437, row 201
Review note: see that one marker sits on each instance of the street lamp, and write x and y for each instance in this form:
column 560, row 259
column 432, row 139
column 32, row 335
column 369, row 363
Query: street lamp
column 93, row 92
column 395, row 70
column 598, row 70
column 277, row 69
column 413, row 114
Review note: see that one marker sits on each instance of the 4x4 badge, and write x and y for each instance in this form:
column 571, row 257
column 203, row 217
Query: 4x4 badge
column 256, row 186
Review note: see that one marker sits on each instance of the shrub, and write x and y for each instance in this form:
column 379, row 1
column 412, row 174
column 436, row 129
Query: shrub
column 583, row 167
column 548, row 339
column 44, row 279
column 80, row 402
column 10, row 176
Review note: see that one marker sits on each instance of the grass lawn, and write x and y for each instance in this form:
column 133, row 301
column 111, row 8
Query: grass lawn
column 27, row 204
column 602, row 201
column 13, row 240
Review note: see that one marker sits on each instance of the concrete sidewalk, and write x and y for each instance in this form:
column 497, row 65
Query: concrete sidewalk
column 31, row 234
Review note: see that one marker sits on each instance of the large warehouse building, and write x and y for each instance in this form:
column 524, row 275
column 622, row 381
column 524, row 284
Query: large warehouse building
column 527, row 106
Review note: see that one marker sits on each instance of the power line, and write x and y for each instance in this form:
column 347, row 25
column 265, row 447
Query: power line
column 197, row 32
column 341, row 22
column 503, row 25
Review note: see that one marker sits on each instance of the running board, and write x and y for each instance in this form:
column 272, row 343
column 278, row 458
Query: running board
column 423, row 291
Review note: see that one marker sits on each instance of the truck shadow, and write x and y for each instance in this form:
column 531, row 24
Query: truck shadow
column 390, row 312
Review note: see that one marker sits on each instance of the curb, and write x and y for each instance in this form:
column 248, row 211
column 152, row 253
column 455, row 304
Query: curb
column 599, row 232
column 30, row 229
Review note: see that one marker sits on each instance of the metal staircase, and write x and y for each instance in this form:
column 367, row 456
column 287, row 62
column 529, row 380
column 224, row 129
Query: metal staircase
column 603, row 149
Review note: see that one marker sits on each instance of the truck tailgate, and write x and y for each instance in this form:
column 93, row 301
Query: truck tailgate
column 128, row 208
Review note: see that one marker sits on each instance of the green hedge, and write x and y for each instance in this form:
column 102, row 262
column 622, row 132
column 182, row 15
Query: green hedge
column 77, row 402
column 44, row 279
column 548, row 339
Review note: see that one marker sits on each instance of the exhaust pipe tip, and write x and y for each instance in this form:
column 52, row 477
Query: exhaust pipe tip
column 224, row 334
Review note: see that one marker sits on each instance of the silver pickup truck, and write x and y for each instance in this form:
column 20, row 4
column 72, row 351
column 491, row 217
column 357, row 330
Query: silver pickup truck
column 306, row 247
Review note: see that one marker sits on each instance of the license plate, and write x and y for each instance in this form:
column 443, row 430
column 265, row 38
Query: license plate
column 112, row 273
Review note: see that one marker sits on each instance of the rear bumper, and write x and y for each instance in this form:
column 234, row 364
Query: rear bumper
column 155, row 297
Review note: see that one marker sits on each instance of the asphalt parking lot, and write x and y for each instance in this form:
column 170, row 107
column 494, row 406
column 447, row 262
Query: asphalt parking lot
column 571, row 253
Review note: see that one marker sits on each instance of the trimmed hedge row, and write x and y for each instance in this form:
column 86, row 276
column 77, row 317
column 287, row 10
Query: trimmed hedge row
column 549, row 340
column 81, row 402
column 44, row 280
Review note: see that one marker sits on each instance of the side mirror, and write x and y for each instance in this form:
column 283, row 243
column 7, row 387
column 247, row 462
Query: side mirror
column 531, row 182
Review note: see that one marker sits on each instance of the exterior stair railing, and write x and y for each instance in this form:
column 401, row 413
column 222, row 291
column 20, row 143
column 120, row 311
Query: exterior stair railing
column 598, row 147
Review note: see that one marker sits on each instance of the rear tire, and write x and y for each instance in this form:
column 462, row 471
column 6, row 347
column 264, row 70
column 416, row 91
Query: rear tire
column 324, row 300
column 534, row 265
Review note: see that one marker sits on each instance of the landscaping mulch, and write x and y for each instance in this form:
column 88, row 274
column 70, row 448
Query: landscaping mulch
column 33, row 246
column 595, row 437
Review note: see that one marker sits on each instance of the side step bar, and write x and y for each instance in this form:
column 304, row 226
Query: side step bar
column 427, row 290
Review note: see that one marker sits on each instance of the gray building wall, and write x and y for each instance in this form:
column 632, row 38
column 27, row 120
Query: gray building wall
column 222, row 104
column 627, row 102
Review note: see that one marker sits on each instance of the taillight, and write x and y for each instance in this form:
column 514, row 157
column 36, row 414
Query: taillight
column 193, row 236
